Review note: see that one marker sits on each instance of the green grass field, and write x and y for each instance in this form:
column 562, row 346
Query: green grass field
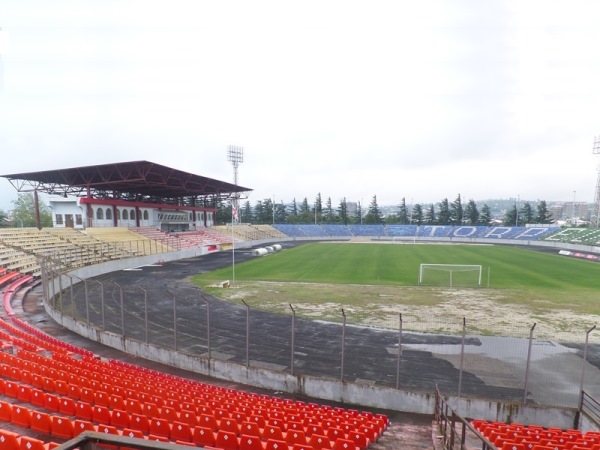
column 399, row 265
column 560, row 281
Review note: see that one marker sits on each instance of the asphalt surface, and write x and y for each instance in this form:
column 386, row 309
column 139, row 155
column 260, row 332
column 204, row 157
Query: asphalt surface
column 258, row 338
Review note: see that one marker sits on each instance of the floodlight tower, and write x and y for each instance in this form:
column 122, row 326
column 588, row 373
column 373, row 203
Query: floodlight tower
column 596, row 210
column 235, row 155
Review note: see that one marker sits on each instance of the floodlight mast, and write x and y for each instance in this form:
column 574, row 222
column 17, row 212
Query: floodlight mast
column 596, row 211
column 235, row 155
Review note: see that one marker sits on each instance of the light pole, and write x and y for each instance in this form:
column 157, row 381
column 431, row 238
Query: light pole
column 573, row 213
column 273, row 207
column 517, row 211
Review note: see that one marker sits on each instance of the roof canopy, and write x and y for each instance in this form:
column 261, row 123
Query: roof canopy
column 135, row 180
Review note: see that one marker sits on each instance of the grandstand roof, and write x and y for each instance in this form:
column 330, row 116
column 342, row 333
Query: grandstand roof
column 134, row 180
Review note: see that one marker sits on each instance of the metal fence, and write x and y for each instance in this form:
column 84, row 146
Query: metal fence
column 514, row 367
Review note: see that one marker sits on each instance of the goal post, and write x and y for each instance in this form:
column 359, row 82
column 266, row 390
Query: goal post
column 451, row 275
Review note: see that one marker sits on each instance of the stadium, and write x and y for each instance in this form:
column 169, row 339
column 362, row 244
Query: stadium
column 182, row 333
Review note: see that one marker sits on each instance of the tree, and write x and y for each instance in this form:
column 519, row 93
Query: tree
column 318, row 209
column 23, row 213
column 526, row 214
column 402, row 213
column 246, row 213
column 417, row 214
column 304, row 214
column 456, row 211
column 280, row 213
column 373, row 215
column 3, row 219
column 343, row 212
column 430, row 217
column 293, row 215
column 329, row 215
column 358, row 216
column 511, row 218
column 485, row 218
column 471, row 213
column 543, row 215
column 444, row 217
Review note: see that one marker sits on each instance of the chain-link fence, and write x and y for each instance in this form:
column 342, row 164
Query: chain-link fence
column 516, row 364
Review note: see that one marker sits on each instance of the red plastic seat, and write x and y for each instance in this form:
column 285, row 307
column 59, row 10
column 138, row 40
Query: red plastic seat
column 182, row 432
column 273, row 432
column 31, row 443
column 9, row 440
column 140, row 422
column 204, row 437
column 79, row 426
column 295, row 437
column 41, row 421
column 160, row 427
column 227, row 440
column 21, row 416
column 62, row 427
column 251, row 442
column 83, row 410
column 101, row 414
column 120, row 418
column 344, row 444
column 274, row 444
column 320, row 442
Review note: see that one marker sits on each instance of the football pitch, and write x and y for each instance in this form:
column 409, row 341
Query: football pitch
column 370, row 276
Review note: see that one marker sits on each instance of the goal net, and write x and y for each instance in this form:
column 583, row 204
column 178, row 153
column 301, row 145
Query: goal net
column 453, row 275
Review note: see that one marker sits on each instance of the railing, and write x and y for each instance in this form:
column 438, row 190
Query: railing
column 455, row 432
column 91, row 440
column 590, row 407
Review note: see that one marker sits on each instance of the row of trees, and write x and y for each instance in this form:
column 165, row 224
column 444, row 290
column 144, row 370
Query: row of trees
column 443, row 213
column 266, row 212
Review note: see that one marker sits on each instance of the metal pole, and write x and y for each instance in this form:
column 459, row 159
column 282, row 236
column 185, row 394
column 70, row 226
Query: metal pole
column 207, row 324
column 60, row 294
column 528, row 363
column 174, row 319
column 585, row 349
column 145, row 311
column 122, row 308
column 293, row 338
column 247, row 333
column 399, row 350
column 462, row 356
column 73, row 311
column 87, row 302
column 102, row 303
column 343, row 345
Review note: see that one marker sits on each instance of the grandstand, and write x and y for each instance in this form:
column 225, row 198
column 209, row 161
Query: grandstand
column 58, row 390
column 53, row 391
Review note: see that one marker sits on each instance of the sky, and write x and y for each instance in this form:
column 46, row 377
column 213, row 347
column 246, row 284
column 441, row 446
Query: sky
column 348, row 99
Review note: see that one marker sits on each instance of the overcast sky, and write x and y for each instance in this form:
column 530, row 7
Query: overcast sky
column 415, row 99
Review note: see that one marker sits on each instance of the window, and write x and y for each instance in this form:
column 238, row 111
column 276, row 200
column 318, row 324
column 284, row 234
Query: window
column 125, row 215
column 132, row 214
column 146, row 214
column 59, row 219
column 108, row 214
column 118, row 214
column 78, row 219
column 99, row 214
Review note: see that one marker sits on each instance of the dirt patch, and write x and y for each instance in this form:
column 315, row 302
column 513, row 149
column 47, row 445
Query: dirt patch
column 484, row 311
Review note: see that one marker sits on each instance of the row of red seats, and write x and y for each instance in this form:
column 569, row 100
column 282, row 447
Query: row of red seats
column 105, row 394
column 525, row 437
column 166, row 393
column 13, row 441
